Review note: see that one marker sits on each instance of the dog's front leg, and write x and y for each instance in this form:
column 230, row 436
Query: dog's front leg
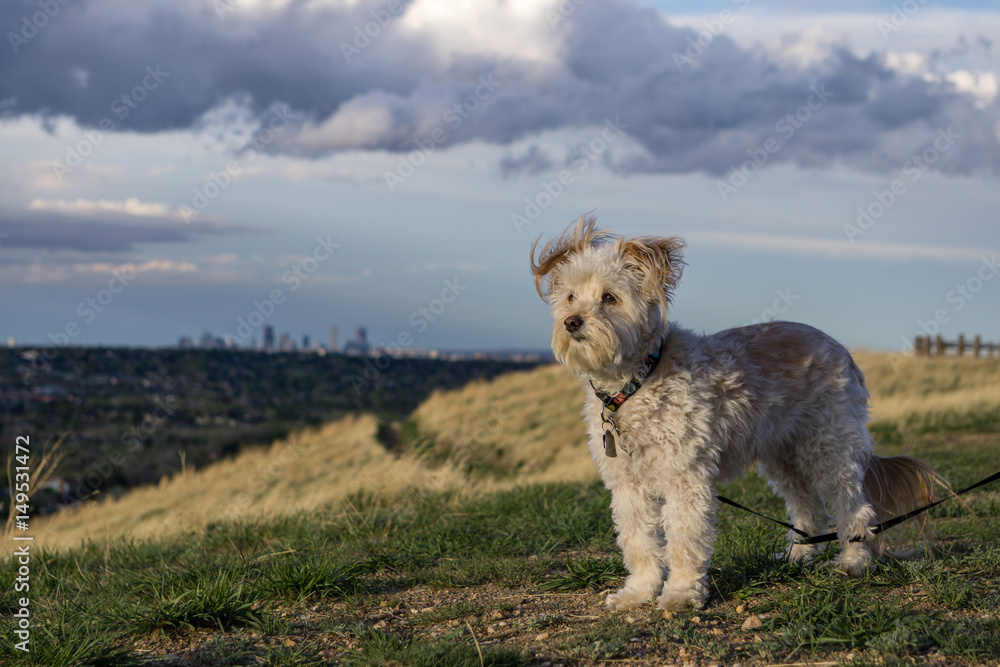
column 637, row 516
column 689, row 525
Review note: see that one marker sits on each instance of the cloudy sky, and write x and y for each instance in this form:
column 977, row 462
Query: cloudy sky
column 175, row 166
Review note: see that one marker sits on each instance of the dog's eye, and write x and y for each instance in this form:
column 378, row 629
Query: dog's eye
column 570, row 298
column 610, row 299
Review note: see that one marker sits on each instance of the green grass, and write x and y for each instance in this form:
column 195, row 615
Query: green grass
column 607, row 641
column 378, row 649
column 593, row 573
column 315, row 589
column 978, row 421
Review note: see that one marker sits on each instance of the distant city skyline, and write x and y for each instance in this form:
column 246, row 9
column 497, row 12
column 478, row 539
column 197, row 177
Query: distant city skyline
column 286, row 341
column 356, row 346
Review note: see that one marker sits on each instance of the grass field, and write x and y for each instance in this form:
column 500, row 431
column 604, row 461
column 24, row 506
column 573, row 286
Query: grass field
column 474, row 533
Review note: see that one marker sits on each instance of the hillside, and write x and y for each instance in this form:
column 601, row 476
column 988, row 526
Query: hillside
column 151, row 412
column 520, row 428
column 325, row 467
column 472, row 532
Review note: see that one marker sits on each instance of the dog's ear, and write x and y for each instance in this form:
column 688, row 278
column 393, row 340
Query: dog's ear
column 661, row 262
column 574, row 239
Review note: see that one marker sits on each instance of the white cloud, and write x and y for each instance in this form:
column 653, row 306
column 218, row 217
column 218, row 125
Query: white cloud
column 305, row 170
column 514, row 29
column 809, row 47
column 44, row 175
column 359, row 123
column 906, row 62
column 54, row 271
column 151, row 265
column 981, row 85
column 836, row 248
column 131, row 206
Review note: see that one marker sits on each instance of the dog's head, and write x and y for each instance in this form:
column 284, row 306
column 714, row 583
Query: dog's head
column 607, row 294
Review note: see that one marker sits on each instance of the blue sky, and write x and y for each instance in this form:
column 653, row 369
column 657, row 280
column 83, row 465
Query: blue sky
column 170, row 167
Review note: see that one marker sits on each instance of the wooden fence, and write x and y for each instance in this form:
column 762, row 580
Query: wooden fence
column 938, row 347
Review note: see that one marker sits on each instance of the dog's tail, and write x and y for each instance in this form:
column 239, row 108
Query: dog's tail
column 895, row 485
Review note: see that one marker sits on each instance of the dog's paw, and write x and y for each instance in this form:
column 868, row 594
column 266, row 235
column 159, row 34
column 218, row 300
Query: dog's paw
column 627, row 598
column 676, row 599
column 801, row 552
column 854, row 565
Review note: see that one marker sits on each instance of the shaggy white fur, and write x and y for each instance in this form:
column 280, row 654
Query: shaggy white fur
column 780, row 394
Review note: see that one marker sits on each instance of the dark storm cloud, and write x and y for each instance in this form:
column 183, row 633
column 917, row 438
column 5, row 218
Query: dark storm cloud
column 101, row 232
column 92, row 52
column 533, row 161
column 686, row 108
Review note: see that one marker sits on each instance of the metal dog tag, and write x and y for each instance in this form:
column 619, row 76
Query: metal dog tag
column 609, row 444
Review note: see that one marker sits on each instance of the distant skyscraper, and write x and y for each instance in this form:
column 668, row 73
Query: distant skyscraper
column 185, row 343
column 285, row 343
column 334, row 339
column 207, row 341
column 359, row 344
column 305, row 341
column 268, row 337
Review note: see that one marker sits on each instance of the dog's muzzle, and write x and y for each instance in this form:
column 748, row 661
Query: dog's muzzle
column 573, row 323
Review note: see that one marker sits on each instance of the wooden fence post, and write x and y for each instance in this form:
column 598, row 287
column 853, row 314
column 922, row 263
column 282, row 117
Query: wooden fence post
column 926, row 346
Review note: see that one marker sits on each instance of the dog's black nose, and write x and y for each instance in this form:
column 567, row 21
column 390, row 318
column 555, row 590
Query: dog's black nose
column 573, row 322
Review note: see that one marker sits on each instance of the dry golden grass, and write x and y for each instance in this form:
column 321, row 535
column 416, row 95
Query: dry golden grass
column 43, row 471
column 310, row 470
column 529, row 423
column 915, row 391
column 524, row 428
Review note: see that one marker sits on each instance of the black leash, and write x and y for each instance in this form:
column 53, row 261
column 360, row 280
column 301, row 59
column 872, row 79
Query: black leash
column 804, row 538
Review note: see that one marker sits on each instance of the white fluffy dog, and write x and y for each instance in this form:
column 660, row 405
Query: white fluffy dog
column 688, row 411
